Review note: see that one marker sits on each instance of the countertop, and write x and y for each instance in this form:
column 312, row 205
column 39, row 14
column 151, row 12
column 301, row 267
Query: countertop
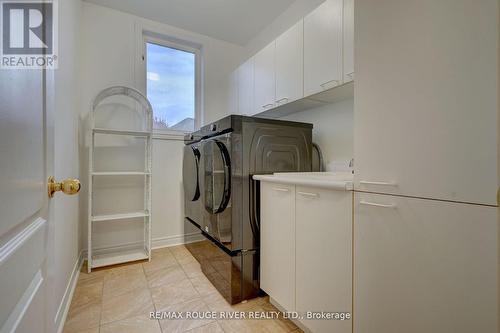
column 328, row 180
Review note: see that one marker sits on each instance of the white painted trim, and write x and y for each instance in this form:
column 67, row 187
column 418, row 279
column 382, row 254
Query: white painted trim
column 12, row 322
column 177, row 240
column 16, row 242
column 62, row 311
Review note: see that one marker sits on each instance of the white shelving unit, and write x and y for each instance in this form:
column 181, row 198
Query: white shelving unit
column 120, row 253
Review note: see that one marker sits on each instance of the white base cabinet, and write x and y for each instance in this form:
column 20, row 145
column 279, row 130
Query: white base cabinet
column 424, row 266
column 306, row 252
column 277, row 256
column 323, row 249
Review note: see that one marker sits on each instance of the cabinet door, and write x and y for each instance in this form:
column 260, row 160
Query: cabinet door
column 233, row 92
column 348, row 46
column 426, row 109
column 290, row 65
column 246, row 88
column 324, row 256
column 277, row 243
column 424, row 266
column 323, row 47
column 265, row 79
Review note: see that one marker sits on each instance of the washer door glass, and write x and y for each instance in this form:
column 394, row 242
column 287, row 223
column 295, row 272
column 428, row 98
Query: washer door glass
column 190, row 173
column 217, row 176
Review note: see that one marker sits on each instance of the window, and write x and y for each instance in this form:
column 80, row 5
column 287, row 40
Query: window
column 171, row 84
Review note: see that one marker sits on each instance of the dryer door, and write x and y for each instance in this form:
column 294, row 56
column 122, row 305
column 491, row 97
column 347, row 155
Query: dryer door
column 217, row 176
column 190, row 173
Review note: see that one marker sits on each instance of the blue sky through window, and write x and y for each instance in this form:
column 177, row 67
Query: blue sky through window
column 171, row 87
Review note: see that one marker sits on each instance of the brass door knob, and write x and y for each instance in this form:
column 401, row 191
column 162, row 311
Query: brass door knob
column 68, row 186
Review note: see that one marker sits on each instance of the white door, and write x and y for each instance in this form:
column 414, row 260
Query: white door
column 277, row 256
column 348, row 46
column 26, row 131
column 426, row 102
column 323, row 47
column 290, row 65
column 265, row 80
column 245, row 88
column 424, row 266
column 324, row 256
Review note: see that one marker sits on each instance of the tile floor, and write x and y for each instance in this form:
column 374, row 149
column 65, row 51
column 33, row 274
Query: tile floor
column 120, row 298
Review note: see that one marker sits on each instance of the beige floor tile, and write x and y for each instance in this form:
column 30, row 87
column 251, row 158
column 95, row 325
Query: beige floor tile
column 87, row 293
column 139, row 324
column 203, row 285
column 182, row 325
column 89, row 278
column 213, row 327
column 285, row 324
column 83, row 317
column 182, row 254
column 165, row 276
column 179, row 250
column 251, row 326
column 213, row 298
column 221, row 305
column 159, row 261
column 170, row 294
column 134, row 303
column 161, row 251
column 192, row 269
column 188, row 259
column 121, row 282
column 123, row 269
column 89, row 330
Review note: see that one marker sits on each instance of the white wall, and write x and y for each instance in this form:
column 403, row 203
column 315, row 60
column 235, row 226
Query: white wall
column 289, row 17
column 333, row 130
column 65, row 208
column 110, row 56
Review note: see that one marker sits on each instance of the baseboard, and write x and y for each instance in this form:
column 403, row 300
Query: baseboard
column 176, row 240
column 62, row 311
column 156, row 243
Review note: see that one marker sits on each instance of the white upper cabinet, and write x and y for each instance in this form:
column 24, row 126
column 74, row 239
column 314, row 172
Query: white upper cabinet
column 426, row 101
column 418, row 263
column 290, row 65
column 348, row 45
column 233, row 93
column 246, row 88
column 323, row 47
column 265, row 78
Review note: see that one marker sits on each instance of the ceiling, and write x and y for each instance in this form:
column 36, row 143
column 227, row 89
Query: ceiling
column 235, row 21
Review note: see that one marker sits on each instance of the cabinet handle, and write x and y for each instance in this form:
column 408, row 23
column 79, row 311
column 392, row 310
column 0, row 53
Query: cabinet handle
column 365, row 182
column 267, row 105
column 307, row 194
column 285, row 99
column 281, row 189
column 327, row 82
column 373, row 204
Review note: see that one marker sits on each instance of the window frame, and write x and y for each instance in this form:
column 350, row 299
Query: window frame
column 166, row 42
